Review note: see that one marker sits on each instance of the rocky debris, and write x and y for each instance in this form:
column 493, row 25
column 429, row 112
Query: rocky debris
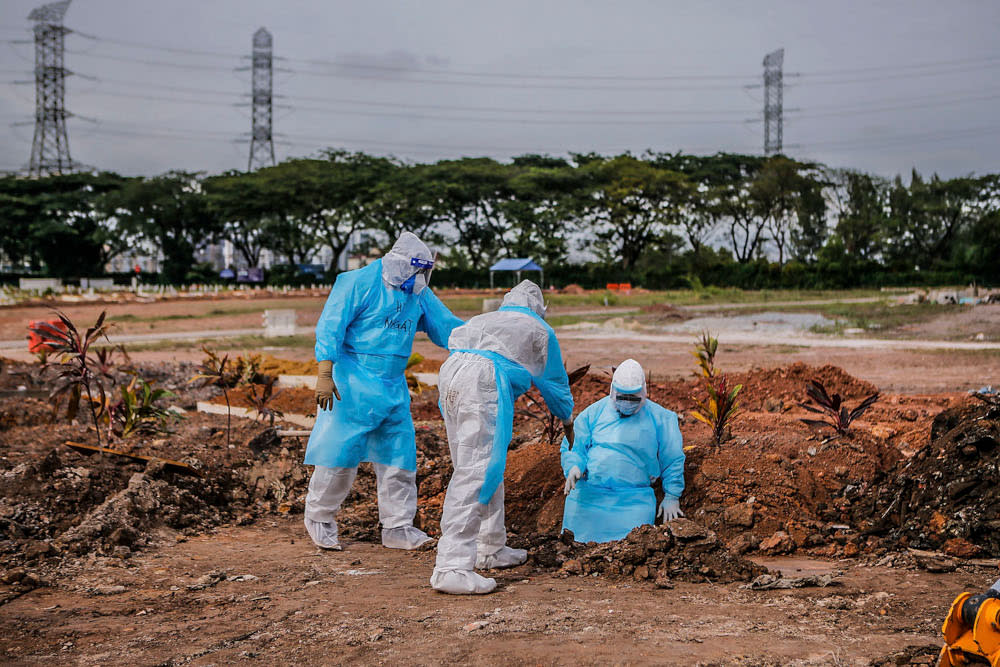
column 947, row 496
column 923, row 655
column 740, row 514
column 681, row 550
column 779, row 543
column 208, row 580
column 767, row 582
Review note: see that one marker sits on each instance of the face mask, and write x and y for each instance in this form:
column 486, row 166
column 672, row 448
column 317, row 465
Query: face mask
column 627, row 406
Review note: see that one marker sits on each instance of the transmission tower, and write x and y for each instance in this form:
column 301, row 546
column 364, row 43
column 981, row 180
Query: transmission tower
column 261, row 141
column 50, row 147
column 773, row 94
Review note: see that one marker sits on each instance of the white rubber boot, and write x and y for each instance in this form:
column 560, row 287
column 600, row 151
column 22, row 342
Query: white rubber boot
column 461, row 582
column 404, row 537
column 505, row 557
column 324, row 534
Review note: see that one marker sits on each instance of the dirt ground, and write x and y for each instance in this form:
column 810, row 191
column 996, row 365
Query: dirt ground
column 371, row 605
column 109, row 561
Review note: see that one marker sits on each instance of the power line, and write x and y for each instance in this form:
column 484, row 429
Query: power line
column 547, row 76
column 905, row 138
column 901, row 107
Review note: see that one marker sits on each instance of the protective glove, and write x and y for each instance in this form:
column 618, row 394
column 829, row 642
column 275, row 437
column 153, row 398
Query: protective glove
column 572, row 477
column 325, row 388
column 670, row 509
column 568, row 429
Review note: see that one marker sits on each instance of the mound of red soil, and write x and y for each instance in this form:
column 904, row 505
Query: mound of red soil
column 777, row 484
column 786, row 384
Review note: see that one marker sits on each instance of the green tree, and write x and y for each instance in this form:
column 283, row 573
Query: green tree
column 541, row 208
column 467, row 194
column 862, row 201
column 630, row 204
column 58, row 223
column 334, row 197
column 407, row 200
column 789, row 200
column 170, row 213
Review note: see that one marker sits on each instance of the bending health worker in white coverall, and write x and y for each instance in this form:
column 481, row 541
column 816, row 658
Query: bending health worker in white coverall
column 624, row 442
column 495, row 357
column 363, row 342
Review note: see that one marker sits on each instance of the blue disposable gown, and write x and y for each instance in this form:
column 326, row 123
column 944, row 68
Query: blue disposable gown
column 367, row 330
column 621, row 457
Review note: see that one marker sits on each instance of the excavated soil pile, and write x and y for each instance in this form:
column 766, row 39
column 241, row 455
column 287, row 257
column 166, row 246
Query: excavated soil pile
column 947, row 496
column 777, row 486
column 681, row 550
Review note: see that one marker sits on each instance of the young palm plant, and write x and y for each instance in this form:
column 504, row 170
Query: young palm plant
column 80, row 369
column 136, row 412
column 721, row 407
column 262, row 400
column 704, row 352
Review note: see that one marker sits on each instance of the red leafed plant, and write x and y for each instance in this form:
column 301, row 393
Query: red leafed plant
column 80, row 368
column 838, row 417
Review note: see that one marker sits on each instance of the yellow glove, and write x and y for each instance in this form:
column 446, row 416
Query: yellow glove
column 325, row 388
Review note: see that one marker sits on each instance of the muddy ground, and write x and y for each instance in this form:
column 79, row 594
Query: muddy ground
column 279, row 600
column 110, row 560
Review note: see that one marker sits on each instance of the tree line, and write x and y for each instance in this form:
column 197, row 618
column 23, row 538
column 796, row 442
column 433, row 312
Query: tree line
column 660, row 220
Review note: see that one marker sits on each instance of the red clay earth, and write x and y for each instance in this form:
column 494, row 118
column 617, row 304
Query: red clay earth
column 778, row 484
column 59, row 510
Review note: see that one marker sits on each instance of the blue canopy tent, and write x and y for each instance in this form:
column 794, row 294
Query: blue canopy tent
column 517, row 265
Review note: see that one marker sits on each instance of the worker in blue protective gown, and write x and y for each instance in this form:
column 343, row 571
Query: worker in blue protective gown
column 624, row 442
column 363, row 342
column 495, row 357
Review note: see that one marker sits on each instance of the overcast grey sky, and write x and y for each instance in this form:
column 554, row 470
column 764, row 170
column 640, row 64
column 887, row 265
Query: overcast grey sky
column 879, row 86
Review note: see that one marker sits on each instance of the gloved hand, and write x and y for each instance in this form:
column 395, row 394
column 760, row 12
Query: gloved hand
column 670, row 509
column 572, row 477
column 568, row 429
column 325, row 388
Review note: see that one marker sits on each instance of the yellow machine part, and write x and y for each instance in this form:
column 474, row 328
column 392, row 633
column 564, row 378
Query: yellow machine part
column 978, row 645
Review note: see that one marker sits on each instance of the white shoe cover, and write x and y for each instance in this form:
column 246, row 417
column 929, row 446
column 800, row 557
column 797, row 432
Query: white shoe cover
column 505, row 557
column 404, row 537
column 461, row 582
column 323, row 534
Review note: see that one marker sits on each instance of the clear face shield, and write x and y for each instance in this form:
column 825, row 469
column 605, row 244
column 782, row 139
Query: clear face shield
column 421, row 277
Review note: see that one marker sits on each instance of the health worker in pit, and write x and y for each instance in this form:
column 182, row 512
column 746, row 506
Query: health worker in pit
column 363, row 342
column 495, row 357
column 623, row 444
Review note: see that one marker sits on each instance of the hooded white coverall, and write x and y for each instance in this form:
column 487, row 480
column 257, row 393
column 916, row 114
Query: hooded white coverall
column 495, row 357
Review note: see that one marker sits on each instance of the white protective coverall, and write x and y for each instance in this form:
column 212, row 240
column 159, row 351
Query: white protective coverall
column 495, row 357
column 367, row 329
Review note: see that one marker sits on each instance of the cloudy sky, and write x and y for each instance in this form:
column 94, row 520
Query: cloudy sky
column 875, row 85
